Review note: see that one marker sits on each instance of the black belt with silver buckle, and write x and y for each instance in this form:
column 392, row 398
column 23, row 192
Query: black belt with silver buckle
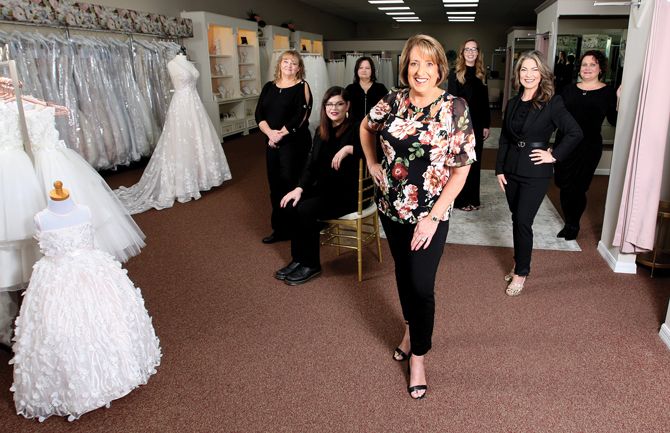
column 533, row 145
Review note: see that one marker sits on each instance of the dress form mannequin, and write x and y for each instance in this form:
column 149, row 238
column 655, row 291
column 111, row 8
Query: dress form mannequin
column 61, row 211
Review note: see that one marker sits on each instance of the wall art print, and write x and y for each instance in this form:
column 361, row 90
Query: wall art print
column 94, row 17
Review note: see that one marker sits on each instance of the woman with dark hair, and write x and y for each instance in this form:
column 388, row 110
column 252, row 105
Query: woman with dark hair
column 589, row 101
column 327, row 187
column 365, row 91
column 525, row 159
column 467, row 82
column 282, row 114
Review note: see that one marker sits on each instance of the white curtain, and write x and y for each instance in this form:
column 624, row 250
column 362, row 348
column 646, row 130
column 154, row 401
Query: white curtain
column 636, row 225
column 349, row 68
column 336, row 73
column 385, row 73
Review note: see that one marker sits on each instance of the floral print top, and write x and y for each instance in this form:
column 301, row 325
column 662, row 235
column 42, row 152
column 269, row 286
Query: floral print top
column 420, row 146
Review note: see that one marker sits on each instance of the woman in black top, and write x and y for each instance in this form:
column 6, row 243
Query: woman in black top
column 524, row 164
column 282, row 114
column 365, row 91
column 467, row 81
column 327, row 187
column 589, row 102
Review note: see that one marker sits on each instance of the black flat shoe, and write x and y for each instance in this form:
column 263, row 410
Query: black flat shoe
column 274, row 237
column 399, row 355
column 570, row 232
column 411, row 389
column 283, row 272
column 561, row 234
column 301, row 275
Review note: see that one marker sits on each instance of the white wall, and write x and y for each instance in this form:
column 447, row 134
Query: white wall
column 273, row 12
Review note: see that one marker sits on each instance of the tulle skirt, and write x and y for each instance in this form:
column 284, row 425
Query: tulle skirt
column 21, row 197
column 83, row 337
column 188, row 159
column 115, row 230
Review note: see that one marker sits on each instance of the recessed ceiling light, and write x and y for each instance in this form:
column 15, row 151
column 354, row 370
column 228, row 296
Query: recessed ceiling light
column 461, row 13
column 381, row 2
column 399, row 13
column 394, row 8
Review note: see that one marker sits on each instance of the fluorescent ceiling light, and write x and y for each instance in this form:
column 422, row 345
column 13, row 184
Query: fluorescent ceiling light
column 462, row 21
column 460, row 5
column 394, row 8
column 460, row 1
column 622, row 3
column 381, row 2
column 461, row 13
column 408, row 21
column 399, row 13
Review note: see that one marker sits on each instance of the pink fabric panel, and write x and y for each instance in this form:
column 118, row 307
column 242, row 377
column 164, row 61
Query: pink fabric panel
column 636, row 225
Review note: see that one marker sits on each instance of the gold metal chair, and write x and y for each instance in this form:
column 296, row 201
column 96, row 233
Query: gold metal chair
column 353, row 230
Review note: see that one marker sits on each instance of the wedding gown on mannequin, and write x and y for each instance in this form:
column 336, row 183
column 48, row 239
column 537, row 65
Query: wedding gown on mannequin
column 83, row 336
column 115, row 230
column 188, row 157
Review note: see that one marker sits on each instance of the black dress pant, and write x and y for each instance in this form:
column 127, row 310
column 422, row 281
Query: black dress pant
column 524, row 197
column 415, row 277
column 469, row 195
column 573, row 176
column 305, row 226
column 284, row 166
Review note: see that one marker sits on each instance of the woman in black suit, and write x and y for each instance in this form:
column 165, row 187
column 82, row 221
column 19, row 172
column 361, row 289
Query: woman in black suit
column 525, row 159
column 327, row 187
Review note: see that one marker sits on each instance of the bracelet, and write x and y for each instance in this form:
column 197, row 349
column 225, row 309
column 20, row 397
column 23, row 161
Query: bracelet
column 434, row 219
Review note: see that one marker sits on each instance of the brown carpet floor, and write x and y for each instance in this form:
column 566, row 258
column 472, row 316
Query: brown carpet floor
column 578, row 352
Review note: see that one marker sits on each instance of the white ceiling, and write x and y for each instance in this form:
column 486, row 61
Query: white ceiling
column 507, row 13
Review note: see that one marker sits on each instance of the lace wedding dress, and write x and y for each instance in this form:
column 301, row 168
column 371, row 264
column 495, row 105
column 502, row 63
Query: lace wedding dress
column 83, row 336
column 115, row 230
column 188, row 157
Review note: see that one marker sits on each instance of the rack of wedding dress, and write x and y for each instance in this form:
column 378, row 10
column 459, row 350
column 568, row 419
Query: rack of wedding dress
column 317, row 77
column 117, row 90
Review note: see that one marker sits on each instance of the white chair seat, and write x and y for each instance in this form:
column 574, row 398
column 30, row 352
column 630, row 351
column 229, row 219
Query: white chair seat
column 354, row 215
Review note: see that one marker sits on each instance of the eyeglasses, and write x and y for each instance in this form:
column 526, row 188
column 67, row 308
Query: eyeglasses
column 470, row 50
column 335, row 104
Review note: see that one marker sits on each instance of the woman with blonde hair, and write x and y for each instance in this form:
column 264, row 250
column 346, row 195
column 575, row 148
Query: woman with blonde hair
column 525, row 159
column 282, row 114
column 427, row 139
column 468, row 82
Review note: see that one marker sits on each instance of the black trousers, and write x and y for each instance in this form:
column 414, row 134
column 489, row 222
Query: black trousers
column 415, row 277
column 524, row 197
column 469, row 195
column 305, row 226
column 284, row 166
column 573, row 177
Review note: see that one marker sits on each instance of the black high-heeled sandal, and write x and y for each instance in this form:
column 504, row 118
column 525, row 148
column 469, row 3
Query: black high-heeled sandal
column 411, row 389
column 399, row 355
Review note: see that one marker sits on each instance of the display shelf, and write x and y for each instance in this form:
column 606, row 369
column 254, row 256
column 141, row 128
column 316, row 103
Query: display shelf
column 275, row 38
column 228, row 49
column 307, row 42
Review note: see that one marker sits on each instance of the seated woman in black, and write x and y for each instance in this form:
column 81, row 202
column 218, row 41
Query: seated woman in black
column 327, row 188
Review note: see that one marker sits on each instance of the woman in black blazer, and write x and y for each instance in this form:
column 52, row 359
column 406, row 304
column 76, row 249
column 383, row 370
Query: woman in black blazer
column 525, row 159
column 327, row 187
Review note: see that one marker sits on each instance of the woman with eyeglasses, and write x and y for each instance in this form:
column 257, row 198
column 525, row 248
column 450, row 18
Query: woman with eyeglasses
column 282, row 114
column 327, row 187
column 525, row 161
column 468, row 82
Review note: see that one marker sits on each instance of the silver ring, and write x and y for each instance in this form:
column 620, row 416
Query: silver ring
column 424, row 239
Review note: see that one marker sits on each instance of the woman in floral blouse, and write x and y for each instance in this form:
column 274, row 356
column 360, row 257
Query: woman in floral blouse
column 428, row 143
